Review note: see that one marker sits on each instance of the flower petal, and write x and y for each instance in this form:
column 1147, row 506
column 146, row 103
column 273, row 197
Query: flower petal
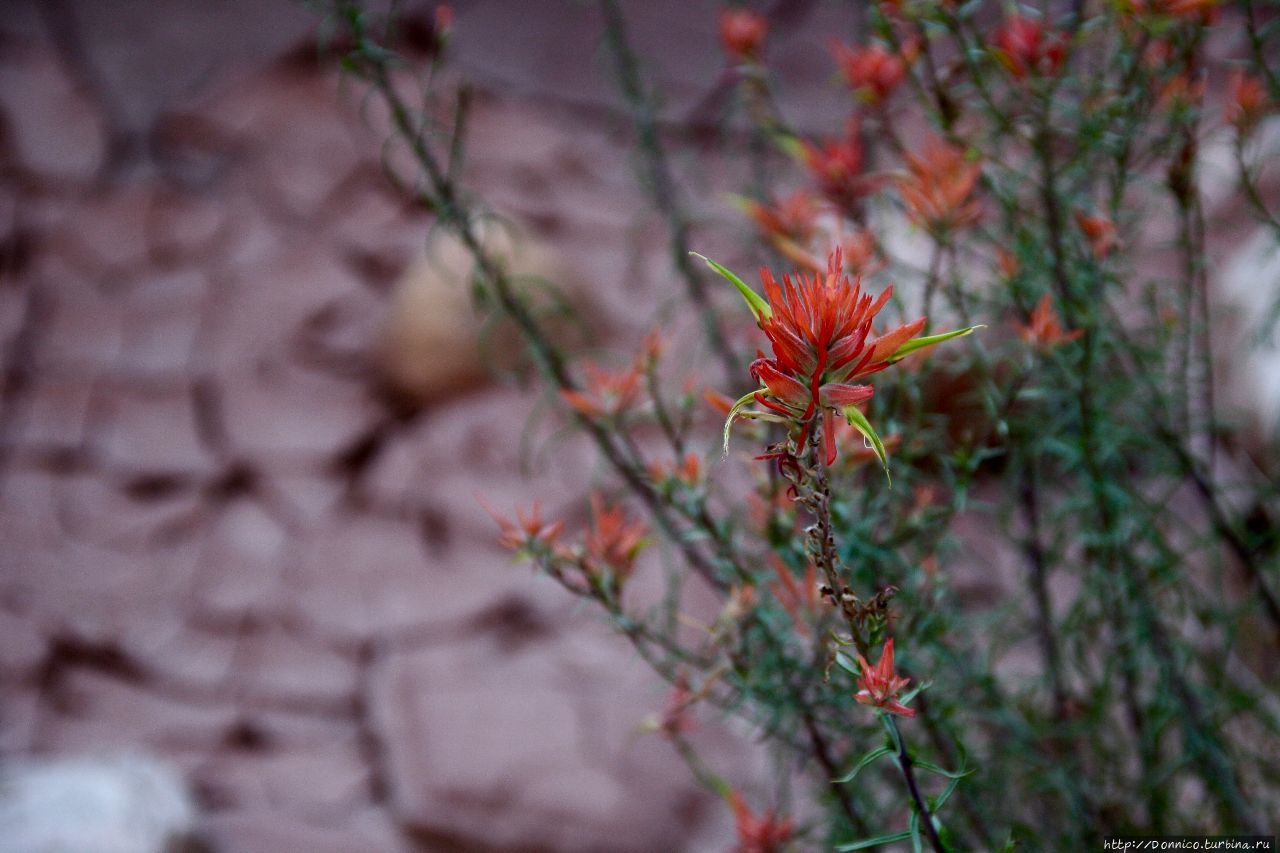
column 838, row 396
column 888, row 344
column 780, row 385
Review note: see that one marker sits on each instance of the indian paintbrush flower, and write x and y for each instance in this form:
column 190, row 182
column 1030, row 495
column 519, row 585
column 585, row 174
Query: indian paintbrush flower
column 528, row 533
column 873, row 73
column 606, row 393
column 1100, row 231
column 802, row 600
column 880, row 685
column 938, row 188
column 837, row 166
column 1203, row 11
column 742, row 32
column 1025, row 48
column 789, row 225
column 613, row 541
column 820, row 330
column 1044, row 330
column 688, row 470
column 861, row 252
column 1246, row 102
column 764, row 833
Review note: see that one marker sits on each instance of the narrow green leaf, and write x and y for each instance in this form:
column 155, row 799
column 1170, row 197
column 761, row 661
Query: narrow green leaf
column 848, row 664
column 933, row 768
column 733, row 413
column 789, row 144
column 911, row 694
column 759, row 307
column 920, row 343
column 913, row 826
column 875, row 842
column 859, row 421
column 945, row 795
column 866, row 759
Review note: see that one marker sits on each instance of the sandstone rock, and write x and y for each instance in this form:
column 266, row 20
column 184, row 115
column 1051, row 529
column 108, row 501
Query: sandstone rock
column 57, row 411
column 325, row 779
column 258, row 830
column 55, row 130
column 452, row 458
column 275, row 291
column 187, row 227
column 19, row 720
column 106, row 232
column 278, row 412
column 294, row 158
column 361, row 575
column 84, row 329
column 241, row 563
column 461, row 713
column 277, row 665
column 95, row 710
column 22, row 645
column 154, row 430
column 162, row 322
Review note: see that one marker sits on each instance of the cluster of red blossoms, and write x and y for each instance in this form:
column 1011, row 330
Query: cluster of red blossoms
column 742, row 32
column 821, row 330
column 608, row 551
column 1027, row 49
column 881, row 684
column 763, row 833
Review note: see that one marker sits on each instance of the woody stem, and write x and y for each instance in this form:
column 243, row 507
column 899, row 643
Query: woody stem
column 822, row 537
column 909, row 775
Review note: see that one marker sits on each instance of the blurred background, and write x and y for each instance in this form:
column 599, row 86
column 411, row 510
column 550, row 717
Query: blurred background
column 248, row 596
column 226, row 547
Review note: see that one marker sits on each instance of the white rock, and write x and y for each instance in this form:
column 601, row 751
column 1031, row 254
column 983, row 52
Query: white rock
column 127, row 803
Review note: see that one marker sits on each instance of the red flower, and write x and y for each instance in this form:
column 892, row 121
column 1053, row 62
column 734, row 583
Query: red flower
column 1007, row 262
column 820, row 330
column 759, row 833
column 1203, row 10
column 837, row 167
column 1246, row 101
column 722, row 403
column 938, row 188
column 788, row 225
column 607, row 393
column 802, row 601
column 871, row 72
column 862, row 252
column 1181, row 92
column 675, row 719
column 794, row 217
column 1044, row 330
column 881, row 685
column 742, row 31
column 1025, row 48
column 1100, row 231
column 613, row 540
column 688, row 471
column 443, row 19
column 528, row 532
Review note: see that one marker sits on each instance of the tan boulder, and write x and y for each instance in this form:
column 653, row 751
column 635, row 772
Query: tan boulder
column 441, row 335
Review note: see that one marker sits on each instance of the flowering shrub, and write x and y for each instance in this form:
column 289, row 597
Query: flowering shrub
column 1078, row 427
